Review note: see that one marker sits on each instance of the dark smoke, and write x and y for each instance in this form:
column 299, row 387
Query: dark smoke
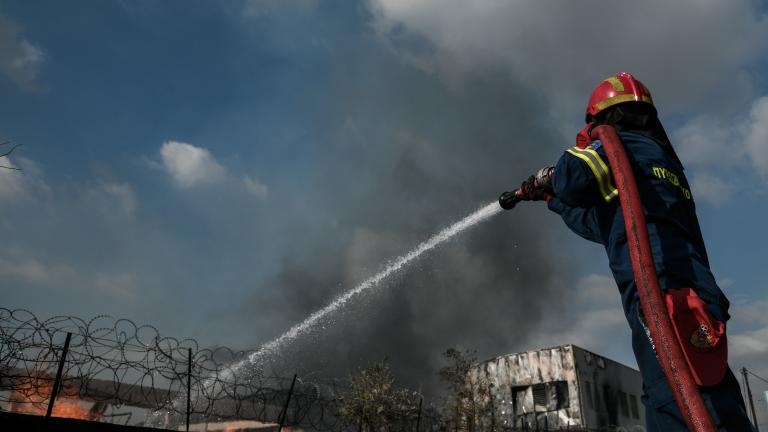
column 402, row 155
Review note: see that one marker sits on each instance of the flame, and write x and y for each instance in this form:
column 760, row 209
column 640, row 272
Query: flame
column 32, row 394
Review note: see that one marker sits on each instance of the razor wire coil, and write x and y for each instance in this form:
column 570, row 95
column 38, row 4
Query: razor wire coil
column 118, row 363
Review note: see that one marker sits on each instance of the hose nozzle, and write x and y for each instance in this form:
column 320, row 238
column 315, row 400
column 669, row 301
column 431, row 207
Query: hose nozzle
column 508, row 200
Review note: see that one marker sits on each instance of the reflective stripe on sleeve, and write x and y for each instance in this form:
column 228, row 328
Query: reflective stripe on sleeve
column 599, row 169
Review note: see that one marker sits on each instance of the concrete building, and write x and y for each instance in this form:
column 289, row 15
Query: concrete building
column 558, row 388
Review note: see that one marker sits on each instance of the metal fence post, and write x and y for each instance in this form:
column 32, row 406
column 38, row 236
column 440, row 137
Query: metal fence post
column 57, row 382
column 749, row 397
column 418, row 418
column 189, row 385
column 284, row 414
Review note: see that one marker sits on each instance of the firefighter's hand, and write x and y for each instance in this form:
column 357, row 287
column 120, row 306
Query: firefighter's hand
column 537, row 187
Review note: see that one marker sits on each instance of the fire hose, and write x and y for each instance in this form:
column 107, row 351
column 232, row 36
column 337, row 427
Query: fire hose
column 665, row 342
column 668, row 349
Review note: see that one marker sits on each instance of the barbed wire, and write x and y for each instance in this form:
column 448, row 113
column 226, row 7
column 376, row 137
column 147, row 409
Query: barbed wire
column 118, row 371
column 117, row 364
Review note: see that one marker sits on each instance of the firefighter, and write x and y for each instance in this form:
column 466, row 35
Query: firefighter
column 580, row 189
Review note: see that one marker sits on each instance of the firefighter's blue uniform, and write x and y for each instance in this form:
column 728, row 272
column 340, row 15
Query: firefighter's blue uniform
column 587, row 200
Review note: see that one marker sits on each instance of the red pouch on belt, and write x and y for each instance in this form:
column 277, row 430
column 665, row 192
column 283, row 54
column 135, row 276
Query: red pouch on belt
column 701, row 336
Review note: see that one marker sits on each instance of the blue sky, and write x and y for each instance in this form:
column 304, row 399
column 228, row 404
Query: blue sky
column 220, row 169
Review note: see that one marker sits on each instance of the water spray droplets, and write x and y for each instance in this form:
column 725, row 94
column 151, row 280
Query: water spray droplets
column 320, row 318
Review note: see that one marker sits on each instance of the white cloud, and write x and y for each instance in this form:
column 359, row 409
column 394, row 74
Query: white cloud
column 749, row 349
column 748, row 336
column 725, row 152
column 11, row 180
column 683, row 50
column 706, row 141
column 18, row 268
column 757, row 136
column 189, row 165
column 254, row 187
column 123, row 195
column 725, row 283
column 708, row 187
column 28, row 184
column 17, row 185
column 751, row 312
column 122, row 286
column 23, row 269
column 30, row 56
column 594, row 320
column 20, row 59
column 749, row 343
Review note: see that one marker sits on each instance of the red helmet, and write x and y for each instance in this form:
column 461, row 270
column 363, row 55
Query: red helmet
column 617, row 89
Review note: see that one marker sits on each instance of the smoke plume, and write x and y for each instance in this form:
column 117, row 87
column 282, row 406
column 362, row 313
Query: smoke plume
column 405, row 154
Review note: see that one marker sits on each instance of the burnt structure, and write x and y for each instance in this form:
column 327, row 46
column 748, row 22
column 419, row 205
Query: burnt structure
column 559, row 388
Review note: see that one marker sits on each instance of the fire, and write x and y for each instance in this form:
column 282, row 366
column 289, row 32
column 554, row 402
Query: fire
column 31, row 396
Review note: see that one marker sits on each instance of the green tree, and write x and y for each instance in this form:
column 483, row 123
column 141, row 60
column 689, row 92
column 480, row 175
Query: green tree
column 375, row 403
column 468, row 406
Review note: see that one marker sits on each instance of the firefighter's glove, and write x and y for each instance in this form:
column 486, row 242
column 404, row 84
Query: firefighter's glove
column 538, row 187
